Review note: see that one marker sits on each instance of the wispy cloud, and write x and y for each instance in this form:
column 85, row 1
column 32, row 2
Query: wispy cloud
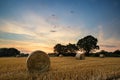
column 100, row 34
column 14, row 36
column 36, row 31
column 109, row 44
column 33, row 32
column 26, row 46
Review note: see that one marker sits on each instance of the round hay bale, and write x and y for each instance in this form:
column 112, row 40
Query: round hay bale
column 101, row 55
column 38, row 61
column 80, row 56
column 60, row 55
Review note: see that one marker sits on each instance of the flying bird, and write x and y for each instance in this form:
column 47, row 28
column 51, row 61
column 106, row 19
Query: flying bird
column 53, row 15
column 52, row 31
column 72, row 12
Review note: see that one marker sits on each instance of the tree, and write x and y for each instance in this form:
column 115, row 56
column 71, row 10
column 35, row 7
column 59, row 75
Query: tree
column 6, row 52
column 13, row 52
column 72, row 48
column 60, row 49
column 88, row 44
column 66, row 50
column 3, row 52
column 116, row 52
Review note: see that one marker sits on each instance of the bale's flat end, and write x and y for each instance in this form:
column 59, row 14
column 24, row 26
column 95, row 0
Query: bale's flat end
column 38, row 61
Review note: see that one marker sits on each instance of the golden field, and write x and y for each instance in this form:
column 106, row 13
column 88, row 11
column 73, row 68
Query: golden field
column 63, row 68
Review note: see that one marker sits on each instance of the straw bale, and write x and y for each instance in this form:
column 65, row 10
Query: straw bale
column 80, row 56
column 38, row 61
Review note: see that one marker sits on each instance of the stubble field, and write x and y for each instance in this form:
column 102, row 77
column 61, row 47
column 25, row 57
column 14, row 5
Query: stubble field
column 63, row 68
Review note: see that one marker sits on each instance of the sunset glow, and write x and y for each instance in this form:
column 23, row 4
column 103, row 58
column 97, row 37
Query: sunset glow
column 40, row 24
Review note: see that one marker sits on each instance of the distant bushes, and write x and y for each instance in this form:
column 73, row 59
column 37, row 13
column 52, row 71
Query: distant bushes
column 107, row 54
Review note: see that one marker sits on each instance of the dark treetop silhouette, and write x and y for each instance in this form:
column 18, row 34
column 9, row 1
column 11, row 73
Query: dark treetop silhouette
column 88, row 44
column 68, row 50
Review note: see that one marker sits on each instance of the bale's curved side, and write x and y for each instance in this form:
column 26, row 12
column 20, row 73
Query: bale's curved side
column 80, row 56
column 38, row 61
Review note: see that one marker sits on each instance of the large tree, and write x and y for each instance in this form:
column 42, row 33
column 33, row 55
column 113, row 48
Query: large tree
column 88, row 44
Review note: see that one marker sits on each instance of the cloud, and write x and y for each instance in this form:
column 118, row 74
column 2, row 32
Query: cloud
column 109, row 46
column 26, row 46
column 41, row 34
column 111, row 28
column 14, row 36
column 31, row 24
column 32, row 32
column 100, row 33
column 14, row 27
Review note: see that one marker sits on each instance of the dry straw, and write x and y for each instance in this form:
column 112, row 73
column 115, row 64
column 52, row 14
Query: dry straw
column 38, row 61
column 80, row 56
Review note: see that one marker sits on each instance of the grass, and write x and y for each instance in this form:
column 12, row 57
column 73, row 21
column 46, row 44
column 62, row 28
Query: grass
column 63, row 68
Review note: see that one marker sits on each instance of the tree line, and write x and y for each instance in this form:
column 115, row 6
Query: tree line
column 11, row 52
column 87, row 45
column 69, row 49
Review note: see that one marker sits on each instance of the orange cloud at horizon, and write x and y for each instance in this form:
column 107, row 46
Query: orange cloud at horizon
column 26, row 47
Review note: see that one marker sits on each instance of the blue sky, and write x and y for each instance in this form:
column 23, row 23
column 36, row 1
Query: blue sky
column 40, row 24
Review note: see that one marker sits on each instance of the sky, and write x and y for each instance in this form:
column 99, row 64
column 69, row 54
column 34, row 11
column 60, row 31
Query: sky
column 30, row 25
